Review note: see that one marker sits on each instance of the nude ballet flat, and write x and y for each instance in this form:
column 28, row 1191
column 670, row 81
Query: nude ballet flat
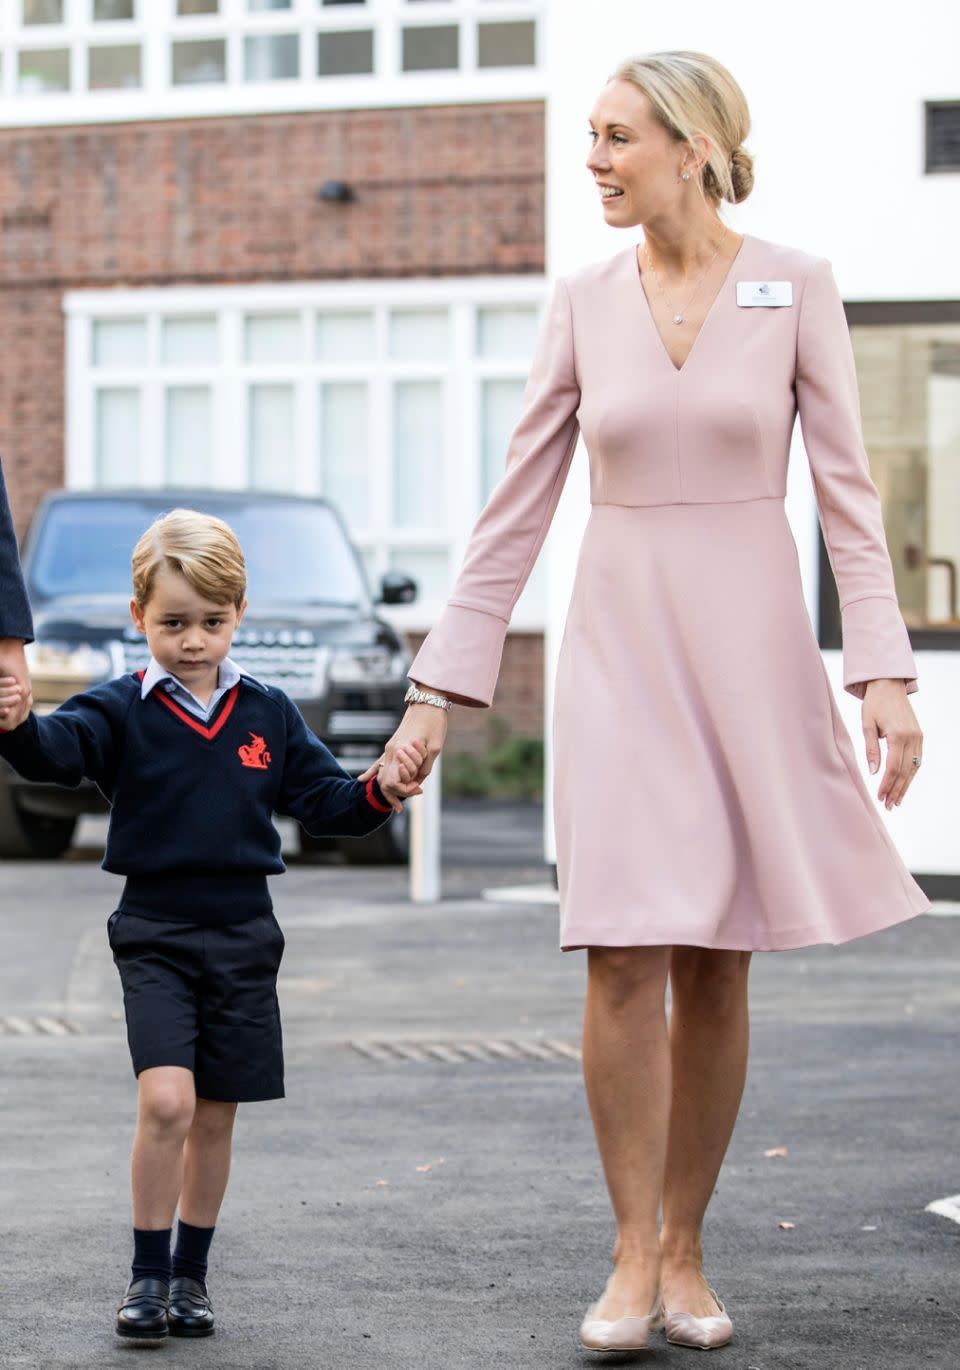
column 623, row 1334
column 683, row 1329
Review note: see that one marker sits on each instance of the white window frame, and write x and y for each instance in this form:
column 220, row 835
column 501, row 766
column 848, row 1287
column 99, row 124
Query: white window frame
column 157, row 26
column 462, row 373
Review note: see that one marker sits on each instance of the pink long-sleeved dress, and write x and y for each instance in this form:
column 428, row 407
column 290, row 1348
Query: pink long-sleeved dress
column 706, row 791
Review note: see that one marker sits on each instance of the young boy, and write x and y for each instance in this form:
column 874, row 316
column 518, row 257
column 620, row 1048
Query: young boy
column 195, row 757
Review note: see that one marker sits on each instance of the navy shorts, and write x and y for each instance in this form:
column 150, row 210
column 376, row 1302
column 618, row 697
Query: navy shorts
column 204, row 998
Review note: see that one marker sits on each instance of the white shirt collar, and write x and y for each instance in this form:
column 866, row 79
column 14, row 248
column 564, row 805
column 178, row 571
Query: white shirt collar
column 227, row 676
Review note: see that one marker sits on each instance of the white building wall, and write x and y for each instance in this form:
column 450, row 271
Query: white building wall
column 837, row 98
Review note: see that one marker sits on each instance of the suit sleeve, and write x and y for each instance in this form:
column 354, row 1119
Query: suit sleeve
column 15, row 619
column 875, row 640
column 461, row 655
column 78, row 741
column 319, row 793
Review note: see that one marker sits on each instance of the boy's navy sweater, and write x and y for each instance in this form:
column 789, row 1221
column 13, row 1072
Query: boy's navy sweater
column 192, row 804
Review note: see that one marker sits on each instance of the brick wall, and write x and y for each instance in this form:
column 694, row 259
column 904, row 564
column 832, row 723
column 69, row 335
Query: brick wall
column 438, row 192
column 444, row 191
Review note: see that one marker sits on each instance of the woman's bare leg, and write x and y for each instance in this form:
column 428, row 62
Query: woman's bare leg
column 709, row 1039
column 626, row 1066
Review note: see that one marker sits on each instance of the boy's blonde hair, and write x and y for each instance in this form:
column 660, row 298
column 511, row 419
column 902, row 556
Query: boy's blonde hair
column 201, row 548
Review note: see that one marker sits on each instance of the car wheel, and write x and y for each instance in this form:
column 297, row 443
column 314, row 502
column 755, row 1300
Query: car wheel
column 25, row 835
column 388, row 846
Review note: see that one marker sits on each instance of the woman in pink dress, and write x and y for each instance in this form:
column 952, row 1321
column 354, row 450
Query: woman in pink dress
column 708, row 798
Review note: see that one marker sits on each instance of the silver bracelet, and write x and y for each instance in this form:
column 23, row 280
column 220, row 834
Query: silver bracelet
column 417, row 696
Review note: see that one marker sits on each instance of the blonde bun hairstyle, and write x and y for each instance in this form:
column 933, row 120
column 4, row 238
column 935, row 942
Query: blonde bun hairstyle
column 694, row 95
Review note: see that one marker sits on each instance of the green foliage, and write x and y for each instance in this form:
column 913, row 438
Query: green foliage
column 510, row 768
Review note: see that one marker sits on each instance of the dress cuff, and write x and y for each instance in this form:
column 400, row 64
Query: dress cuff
column 461, row 655
column 876, row 645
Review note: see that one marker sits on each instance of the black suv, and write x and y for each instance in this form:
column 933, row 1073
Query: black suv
column 311, row 628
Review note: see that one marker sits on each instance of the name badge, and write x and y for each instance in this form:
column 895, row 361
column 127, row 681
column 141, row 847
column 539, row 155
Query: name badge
column 751, row 294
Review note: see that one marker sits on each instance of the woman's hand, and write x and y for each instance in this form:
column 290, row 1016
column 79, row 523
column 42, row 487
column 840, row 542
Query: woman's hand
column 887, row 713
column 423, row 723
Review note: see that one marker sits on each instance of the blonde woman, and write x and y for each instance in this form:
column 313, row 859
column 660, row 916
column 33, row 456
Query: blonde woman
column 708, row 798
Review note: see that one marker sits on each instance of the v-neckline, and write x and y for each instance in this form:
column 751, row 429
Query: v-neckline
column 724, row 284
column 208, row 730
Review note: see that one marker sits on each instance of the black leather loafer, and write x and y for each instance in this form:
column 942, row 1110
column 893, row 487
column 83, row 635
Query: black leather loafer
column 143, row 1313
column 190, row 1313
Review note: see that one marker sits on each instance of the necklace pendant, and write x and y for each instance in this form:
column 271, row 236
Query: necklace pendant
column 678, row 318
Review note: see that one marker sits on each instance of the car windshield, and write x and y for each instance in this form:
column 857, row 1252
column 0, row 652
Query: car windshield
column 295, row 554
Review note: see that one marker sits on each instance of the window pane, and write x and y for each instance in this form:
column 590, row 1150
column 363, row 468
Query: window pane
column 44, row 69
column 273, row 338
column 420, row 335
column 271, row 57
column 116, row 68
column 117, row 441
column 345, row 54
column 119, row 342
column 418, row 454
column 346, row 337
column 500, row 403
column 507, row 45
column 507, row 331
column 909, row 379
column 199, row 62
column 190, row 342
column 43, row 11
column 198, row 6
column 109, row 10
column 256, row 5
column 429, row 567
column 189, row 434
column 271, row 435
column 431, row 48
column 345, row 449
column 343, row 2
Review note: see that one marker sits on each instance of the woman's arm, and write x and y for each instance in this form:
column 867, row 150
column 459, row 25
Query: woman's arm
column 461, row 655
column 875, row 641
column 878, row 664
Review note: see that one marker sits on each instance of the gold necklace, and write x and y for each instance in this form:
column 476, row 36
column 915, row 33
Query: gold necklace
column 677, row 314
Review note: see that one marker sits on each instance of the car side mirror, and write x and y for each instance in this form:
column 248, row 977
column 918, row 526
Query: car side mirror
column 396, row 588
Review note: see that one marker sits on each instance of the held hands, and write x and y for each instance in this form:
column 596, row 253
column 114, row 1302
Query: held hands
column 423, row 726
column 15, row 698
column 887, row 713
column 397, row 778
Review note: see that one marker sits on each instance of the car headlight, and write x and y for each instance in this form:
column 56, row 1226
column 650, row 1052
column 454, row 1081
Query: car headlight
column 60, row 669
column 366, row 666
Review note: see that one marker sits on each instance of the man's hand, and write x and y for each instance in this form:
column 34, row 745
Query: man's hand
column 397, row 778
column 13, row 665
column 887, row 713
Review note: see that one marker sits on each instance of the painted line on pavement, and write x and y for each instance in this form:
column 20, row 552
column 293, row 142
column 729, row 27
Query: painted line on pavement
column 946, row 1208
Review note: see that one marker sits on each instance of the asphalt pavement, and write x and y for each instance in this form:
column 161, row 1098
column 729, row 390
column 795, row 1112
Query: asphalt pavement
column 428, row 1194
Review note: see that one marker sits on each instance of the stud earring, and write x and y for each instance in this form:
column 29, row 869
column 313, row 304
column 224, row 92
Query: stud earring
column 685, row 176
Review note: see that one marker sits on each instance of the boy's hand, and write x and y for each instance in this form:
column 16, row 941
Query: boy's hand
column 397, row 778
column 15, row 703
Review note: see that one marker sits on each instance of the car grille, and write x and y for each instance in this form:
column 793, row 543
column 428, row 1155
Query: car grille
column 299, row 671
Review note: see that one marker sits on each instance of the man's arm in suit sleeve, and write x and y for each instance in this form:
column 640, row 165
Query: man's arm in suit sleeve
column 15, row 618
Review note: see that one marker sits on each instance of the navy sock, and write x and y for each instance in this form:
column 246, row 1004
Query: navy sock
column 190, row 1255
column 151, row 1253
